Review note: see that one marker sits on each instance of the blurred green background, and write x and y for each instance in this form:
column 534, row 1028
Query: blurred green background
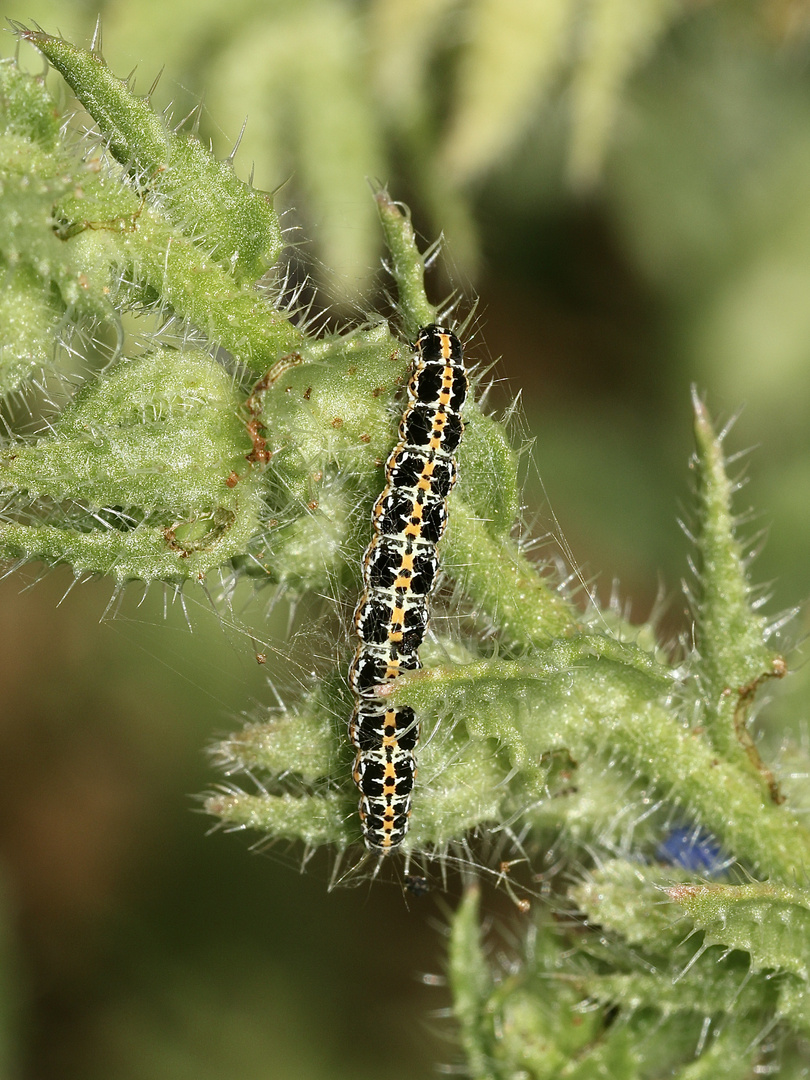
column 625, row 186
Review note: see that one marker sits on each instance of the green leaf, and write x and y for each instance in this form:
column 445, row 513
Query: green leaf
column 488, row 476
column 529, row 1023
column 770, row 922
column 459, row 786
column 144, row 474
column 502, row 582
column 27, row 110
column 107, row 222
column 328, row 411
column 313, row 819
column 616, row 37
column 471, row 983
column 516, row 49
column 713, row 989
column 732, row 656
column 32, row 182
column 580, row 697
column 45, row 282
column 299, row 72
column 235, row 224
column 626, row 898
column 299, row 742
column 30, row 318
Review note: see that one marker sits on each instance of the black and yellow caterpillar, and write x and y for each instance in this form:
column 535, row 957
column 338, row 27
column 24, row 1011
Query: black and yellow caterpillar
column 399, row 570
